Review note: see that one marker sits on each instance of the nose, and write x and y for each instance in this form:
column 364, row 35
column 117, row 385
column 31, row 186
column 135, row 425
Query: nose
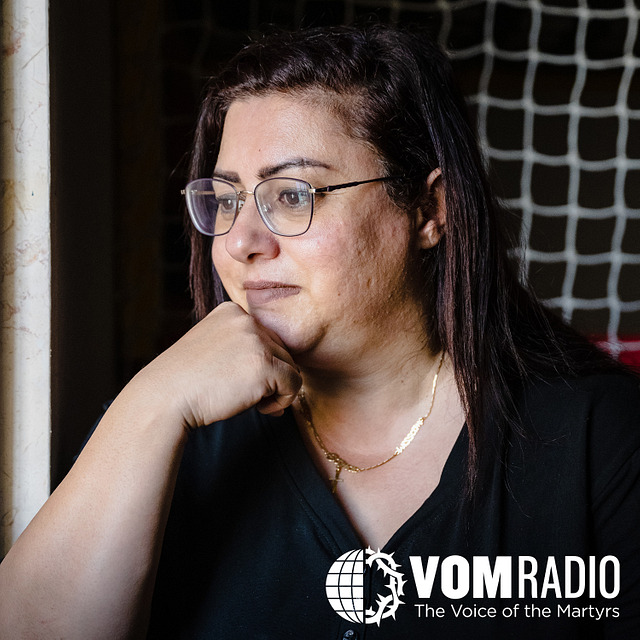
column 249, row 237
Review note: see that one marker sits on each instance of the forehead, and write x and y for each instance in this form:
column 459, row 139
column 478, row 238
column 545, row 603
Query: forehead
column 266, row 130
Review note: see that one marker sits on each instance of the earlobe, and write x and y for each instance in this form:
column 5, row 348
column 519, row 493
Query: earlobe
column 433, row 218
column 430, row 235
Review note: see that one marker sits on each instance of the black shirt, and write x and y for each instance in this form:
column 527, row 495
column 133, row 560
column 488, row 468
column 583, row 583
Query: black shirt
column 254, row 532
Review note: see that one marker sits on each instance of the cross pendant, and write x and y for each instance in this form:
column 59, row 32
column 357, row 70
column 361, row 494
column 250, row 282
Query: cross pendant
column 336, row 478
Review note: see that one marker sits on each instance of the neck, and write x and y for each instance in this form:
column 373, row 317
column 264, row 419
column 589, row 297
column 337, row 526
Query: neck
column 367, row 413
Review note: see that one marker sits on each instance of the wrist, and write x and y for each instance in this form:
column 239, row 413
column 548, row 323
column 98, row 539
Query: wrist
column 149, row 404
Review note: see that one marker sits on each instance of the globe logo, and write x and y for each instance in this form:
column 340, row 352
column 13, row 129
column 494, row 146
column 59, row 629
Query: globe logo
column 345, row 586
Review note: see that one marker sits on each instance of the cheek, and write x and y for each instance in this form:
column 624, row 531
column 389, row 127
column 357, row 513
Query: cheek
column 217, row 257
column 216, row 253
column 223, row 265
column 380, row 260
column 222, row 261
column 330, row 259
column 358, row 264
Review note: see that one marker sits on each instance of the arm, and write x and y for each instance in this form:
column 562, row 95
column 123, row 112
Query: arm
column 85, row 566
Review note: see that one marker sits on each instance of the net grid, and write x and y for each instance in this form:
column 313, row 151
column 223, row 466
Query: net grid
column 577, row 168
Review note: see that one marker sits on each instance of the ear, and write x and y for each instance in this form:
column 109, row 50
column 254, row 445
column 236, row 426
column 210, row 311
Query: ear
column 432, row 218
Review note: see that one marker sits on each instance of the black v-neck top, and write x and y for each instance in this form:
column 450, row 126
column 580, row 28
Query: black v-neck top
column 254, row 531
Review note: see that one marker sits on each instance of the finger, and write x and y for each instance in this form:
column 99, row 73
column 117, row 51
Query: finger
column 269, row 406
column 277, row 346
column 282, row 388
column 285, row 357
column 275, row 404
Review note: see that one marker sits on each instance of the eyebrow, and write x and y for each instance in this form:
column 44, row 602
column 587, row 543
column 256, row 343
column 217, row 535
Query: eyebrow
column 268, row 172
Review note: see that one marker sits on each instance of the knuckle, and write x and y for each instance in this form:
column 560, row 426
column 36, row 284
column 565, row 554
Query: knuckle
column 260, row 360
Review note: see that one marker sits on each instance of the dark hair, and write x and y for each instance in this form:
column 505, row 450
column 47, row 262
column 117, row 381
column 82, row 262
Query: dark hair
column 394, row 89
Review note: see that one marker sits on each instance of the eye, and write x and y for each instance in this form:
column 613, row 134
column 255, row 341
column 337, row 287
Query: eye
column 293, row 198
column 227, row 204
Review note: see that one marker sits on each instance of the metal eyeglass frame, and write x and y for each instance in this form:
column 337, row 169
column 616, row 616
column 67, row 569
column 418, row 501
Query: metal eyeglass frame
column 242, row 196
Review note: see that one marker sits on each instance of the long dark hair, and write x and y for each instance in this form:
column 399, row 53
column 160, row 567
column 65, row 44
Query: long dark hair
column 394, row 89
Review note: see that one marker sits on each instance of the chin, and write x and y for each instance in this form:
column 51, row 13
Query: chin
column 293, row 336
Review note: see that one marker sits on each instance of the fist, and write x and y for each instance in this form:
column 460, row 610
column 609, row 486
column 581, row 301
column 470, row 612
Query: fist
column 224, row 365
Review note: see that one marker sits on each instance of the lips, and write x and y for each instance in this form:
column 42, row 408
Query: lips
column 263, row 292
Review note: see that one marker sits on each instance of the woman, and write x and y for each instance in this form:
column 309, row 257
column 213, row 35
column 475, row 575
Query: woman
column 377, row 378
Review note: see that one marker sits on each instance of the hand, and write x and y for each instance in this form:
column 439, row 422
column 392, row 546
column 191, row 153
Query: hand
column 225, row 364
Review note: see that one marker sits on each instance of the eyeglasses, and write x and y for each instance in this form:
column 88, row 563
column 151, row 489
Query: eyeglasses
column 284, row 204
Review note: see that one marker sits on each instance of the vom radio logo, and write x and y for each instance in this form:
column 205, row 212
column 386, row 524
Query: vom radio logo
column 345, row 586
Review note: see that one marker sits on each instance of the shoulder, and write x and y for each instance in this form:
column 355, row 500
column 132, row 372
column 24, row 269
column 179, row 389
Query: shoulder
column 595, row 419
column 606, row 384
column 604, row 398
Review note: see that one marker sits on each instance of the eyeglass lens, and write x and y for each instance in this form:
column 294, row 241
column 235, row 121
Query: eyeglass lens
column 285, row 205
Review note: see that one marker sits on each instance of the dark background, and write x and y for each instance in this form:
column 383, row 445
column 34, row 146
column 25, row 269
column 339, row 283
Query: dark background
column 126, row 82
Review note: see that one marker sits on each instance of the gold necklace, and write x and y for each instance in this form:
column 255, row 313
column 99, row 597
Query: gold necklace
column 341, row 463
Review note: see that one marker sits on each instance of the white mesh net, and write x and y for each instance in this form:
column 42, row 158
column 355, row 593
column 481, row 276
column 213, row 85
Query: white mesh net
column 556, row 89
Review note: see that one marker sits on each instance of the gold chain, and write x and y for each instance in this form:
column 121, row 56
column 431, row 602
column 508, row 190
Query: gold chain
column 341, row 463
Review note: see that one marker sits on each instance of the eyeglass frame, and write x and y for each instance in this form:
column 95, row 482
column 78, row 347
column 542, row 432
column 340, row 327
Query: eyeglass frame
column 243, row 193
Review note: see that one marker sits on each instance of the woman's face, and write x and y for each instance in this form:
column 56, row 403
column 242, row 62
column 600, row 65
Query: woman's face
column 345, row 285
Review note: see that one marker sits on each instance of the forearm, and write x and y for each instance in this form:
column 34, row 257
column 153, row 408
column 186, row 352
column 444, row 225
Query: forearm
column 85, row 566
